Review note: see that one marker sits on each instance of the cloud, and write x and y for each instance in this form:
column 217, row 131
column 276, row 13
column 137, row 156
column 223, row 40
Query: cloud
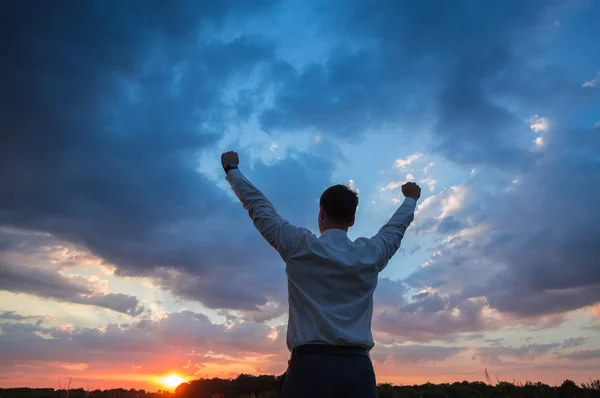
column 119, row 302
column 574, row 342
column 50, row 284
column 593, row 82
column 350, row 100
column 539, row 141
column 401, row 315
column 404, row 163
column 32, row 263
column 522, row 253
column 392, row 185
column 118, row 171
column 430, row 182
column 449, row 224
column 436, row 213
column 474, row 336
column 494, row 354
column 13, row 316
column 582, row 355
column 37, row 281
column 185, row 334
column 593, row 327
column 390, row 293
column 428, row 316
column 539, row 124
column 494, row 341
column 416, row 353
column 418, row 80
column 421, row 176
column 352, row 186
column 131, row 176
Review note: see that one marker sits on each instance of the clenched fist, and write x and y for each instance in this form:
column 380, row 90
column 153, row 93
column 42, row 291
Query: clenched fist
column 230, row 157
column 411, row 190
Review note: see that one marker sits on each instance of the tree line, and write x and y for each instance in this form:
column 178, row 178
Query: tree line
column 265, row 386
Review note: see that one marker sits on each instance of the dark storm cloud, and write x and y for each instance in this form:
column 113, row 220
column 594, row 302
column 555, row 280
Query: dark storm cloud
column 84, row 162
column 105, row 108
column 392, row 60
column 345, row 96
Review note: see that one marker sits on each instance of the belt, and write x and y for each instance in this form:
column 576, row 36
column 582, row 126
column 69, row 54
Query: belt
column 328, row 349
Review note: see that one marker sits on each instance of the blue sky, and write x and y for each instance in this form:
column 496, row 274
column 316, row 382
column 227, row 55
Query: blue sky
column 119, row 234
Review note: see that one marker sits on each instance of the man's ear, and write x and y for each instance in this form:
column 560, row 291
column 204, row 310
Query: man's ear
column 351, row 222
column 321, row 213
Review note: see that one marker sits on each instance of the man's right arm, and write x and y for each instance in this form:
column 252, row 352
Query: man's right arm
column 389, row 237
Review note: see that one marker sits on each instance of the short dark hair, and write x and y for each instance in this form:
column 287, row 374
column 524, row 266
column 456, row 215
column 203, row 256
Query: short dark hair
column 339, row 203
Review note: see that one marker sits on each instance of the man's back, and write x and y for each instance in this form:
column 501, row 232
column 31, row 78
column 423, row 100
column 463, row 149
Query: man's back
column 331, row 281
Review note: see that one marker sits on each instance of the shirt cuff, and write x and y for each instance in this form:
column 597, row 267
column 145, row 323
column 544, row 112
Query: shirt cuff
column 233, row 175
column 411, row 202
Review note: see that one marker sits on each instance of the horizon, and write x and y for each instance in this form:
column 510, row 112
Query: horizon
column 126, row 260
column 591, row 384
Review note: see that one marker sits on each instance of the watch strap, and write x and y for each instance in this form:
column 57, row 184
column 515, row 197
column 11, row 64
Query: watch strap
column 230, row 166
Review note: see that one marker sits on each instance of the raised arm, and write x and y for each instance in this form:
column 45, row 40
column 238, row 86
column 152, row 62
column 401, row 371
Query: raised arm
column 389, row 237
column 277, row 232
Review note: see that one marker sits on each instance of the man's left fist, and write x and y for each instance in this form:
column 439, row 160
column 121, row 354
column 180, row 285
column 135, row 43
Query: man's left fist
column 230, row 157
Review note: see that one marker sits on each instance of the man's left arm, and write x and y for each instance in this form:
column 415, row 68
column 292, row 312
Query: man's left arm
column 278, row 232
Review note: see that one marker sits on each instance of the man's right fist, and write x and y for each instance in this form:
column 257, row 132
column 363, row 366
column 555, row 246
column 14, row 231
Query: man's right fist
column 411, row 190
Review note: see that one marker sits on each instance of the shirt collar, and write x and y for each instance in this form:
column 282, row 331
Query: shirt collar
column 334, row 232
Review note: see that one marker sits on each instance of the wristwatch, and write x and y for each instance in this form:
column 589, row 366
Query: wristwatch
column 230, row 166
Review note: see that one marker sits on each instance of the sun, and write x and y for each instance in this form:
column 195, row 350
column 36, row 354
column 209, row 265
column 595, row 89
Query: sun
column 171, row 381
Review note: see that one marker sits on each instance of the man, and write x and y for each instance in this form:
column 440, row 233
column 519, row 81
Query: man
column 331, row 281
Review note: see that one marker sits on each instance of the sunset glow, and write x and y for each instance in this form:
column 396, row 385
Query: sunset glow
column 171, row 381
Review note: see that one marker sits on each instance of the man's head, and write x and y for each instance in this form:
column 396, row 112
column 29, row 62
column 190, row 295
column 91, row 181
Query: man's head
column 338, row 208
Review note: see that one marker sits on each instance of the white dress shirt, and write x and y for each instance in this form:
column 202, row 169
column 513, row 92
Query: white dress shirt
column 331, row 279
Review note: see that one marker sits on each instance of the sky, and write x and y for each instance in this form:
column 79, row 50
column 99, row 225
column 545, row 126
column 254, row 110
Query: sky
column 125, row 257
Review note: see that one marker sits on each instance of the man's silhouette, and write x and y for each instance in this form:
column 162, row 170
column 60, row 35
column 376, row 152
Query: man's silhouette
column 331, row 281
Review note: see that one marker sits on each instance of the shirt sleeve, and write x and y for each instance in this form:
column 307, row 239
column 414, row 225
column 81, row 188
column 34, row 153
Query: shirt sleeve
column 278, row 232
column 389, row 237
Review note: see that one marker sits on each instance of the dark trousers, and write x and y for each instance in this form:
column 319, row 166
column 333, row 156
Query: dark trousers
column 329, row 372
